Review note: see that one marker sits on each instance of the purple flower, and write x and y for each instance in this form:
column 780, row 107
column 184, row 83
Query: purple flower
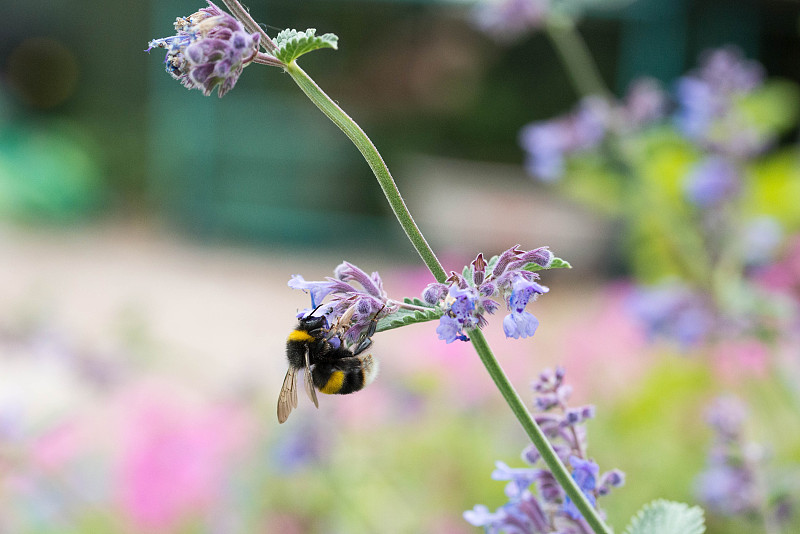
column 467, row 299
column 449, row 330
column 674, row 312
column 729, row 484
column 548, row 143
column 506, row 20
column 462, row 314
column 707, row 103
column 610, row 479
column 727, row 489
column 480, row 516
column 584, row 472
column 545, row 144
column 210, row 49
column 536, row 502
column 645, row 103
column 519, row 479
column 434, row 292
column 712, row 181
column 350, row 306
column 318, row 290
column 298, row 449
column 726, row 416
column 520, row 323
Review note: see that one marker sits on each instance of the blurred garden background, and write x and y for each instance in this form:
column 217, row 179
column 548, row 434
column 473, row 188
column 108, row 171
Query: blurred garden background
column 147, row 235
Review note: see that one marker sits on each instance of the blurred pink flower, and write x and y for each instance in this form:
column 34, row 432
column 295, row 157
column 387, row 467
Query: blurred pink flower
column 58, row 445
column 174, row 459
column 740, row 358
column 605, row 352
column 784, row 275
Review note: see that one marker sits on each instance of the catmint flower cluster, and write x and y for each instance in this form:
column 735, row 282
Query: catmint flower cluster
column 547, row 144
column 729, row 484
column 210, row 49
column 537, row 504
column 712, row 181
column 349, row 304
column 467, row 298
column 707, row 104
column 675, row 312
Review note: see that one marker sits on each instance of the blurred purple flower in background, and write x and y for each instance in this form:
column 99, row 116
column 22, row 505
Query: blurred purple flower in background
column 211, row 49
column 301, row 447
column 729, row 483
column 674, row 312
column 506, row 20
column 646, row 102
column 712, row 181
column 707, row 99
column 537, row 504
column 547, row 143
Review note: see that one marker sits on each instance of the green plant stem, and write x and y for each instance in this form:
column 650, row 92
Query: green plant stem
column 534, row 432
column 575, row 57
column 375, row 162
column 241, row 13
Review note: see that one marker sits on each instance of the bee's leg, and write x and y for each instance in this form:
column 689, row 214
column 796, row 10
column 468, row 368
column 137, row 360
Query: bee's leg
column 363, row 345
column 365, row 340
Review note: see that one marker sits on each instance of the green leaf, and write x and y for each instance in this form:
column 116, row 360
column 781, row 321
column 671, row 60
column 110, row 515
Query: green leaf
column 468, row 273
column 404, row 316
column 557, row 263
column 667, row 517
column 292, row 44
column 491, row 264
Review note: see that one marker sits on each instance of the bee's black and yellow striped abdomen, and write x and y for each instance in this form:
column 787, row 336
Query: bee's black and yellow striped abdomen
column 346, row 374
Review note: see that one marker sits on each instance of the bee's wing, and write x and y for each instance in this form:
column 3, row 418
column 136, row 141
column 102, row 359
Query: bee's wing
column 287, row 401
column 312, row 393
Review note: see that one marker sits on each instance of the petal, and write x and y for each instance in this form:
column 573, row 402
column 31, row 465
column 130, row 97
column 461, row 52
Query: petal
column 520, row 325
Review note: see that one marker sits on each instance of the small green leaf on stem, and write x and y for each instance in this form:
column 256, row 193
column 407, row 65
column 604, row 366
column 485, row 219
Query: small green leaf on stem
column 293, row 44
column 557, row 263
column 405, row 316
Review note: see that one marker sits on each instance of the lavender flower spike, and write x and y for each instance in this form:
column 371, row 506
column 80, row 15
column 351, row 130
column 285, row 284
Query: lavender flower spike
column 536, row 503
column 211, row 49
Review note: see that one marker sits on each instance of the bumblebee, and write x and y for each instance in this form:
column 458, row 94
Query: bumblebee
column 329, row 366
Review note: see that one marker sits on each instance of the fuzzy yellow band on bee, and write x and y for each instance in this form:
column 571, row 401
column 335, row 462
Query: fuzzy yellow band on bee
column 334, row 384
column 300, row 335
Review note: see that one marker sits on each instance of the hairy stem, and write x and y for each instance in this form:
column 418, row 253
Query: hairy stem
column 534, row 432
column 241, row 13
column 375, row 162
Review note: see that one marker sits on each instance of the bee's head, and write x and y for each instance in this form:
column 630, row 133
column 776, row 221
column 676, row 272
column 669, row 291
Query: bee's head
column 313, row 323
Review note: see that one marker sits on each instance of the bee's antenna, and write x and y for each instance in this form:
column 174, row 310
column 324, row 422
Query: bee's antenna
column 312, row 312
